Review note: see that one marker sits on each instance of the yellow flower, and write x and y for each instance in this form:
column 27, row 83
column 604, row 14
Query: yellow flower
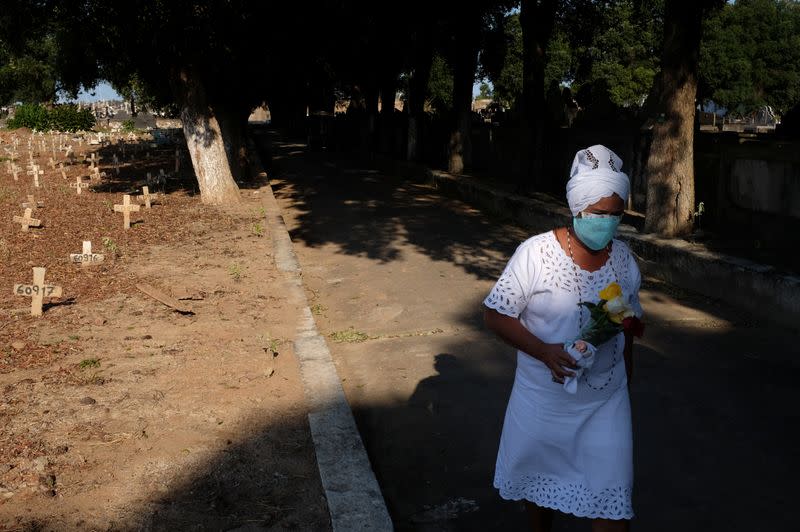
column 610, row 292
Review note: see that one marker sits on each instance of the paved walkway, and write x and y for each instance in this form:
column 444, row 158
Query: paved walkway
column 714, row 395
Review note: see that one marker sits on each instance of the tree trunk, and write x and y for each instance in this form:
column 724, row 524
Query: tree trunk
column 233, row 124
column 670, row 163
column 416, row 98
column 134, row 112
column 370, row 119
column 467, row 43
column 536, row 18
column 386, row 130
column 204, row 141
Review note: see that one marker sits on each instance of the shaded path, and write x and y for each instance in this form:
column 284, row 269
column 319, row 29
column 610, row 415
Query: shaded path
column 396, row 263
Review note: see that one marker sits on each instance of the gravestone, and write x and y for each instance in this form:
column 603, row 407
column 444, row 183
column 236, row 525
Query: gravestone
column 146, row 196
column 87, row 257
column 32, row 203
column 36, row 172
column 126, row 209
column 26, row 221
column 78, row 185
column 37, row 291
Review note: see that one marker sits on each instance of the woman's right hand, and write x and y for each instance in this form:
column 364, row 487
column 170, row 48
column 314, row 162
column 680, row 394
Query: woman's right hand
column 557, row 360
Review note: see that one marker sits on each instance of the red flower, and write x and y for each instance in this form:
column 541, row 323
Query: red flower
column 633, row 325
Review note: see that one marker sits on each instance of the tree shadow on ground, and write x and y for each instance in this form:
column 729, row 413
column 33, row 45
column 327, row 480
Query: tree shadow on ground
column 713, row 405
column 712, row 412
column 351, row 206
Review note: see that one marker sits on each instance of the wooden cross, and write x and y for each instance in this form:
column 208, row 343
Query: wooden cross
column 27, row 221
column 36, row 173
column 15, row 170
column 63, row 171
column 37, row 291
column 146, row 196
column 94, row 160
column 177, row 160
column 79, row 184
column 32, row 203
column 97, row 173
column 52, row 163
column 116, row 164
column 126, row 209
column 87, row 257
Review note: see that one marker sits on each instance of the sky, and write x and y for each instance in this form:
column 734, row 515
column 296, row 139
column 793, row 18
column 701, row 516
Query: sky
column 103, row 91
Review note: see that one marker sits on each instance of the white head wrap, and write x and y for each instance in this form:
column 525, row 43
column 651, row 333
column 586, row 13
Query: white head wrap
column 595, row 175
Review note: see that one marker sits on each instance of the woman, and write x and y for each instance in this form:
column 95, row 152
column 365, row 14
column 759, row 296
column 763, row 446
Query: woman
column 565, row 451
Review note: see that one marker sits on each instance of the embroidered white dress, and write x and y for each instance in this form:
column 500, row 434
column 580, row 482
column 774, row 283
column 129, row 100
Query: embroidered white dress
column 569, row 452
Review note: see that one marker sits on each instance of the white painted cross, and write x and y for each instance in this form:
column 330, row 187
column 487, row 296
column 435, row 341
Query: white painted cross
column 26, row 220
column 37, row 291
column 94, row 160
column 126, row 209
column 97, row 174
column 52, row 163
column 78, row 184
column 36, row 173
column 32, row 203
column 15, row 170
column 87, row 257
column 63, row 171
column 146, row 196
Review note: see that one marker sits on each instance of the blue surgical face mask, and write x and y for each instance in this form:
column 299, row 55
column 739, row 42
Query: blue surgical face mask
column 596, row 230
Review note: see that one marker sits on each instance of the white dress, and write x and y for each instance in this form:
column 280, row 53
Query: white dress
column 568, row 452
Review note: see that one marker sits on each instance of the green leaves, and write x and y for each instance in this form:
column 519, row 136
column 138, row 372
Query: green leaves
column 600, row 328
column 750, row 56
column 60, row 117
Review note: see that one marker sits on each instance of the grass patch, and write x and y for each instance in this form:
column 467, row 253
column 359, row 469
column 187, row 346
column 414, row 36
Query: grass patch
column 89, row 363
column 349, row 335
column 318, row 309
column 235, row 271
column 258, row 230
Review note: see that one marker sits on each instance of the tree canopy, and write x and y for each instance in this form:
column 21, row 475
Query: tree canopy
column 750, row 56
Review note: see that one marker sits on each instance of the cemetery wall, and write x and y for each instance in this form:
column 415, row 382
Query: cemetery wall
column 749, row 184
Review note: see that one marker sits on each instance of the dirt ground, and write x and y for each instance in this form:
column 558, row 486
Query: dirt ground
column 118, row 412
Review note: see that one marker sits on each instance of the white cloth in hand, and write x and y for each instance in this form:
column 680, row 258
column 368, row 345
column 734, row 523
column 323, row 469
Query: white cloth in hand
column 583, row 360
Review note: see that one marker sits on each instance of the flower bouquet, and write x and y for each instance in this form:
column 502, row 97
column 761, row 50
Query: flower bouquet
column 609, row 317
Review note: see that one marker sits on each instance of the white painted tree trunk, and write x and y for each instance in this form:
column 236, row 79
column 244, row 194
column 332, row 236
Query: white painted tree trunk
column 206, row 147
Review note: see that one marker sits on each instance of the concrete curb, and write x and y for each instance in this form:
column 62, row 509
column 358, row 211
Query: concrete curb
column 740, row 282
column 354, row 498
